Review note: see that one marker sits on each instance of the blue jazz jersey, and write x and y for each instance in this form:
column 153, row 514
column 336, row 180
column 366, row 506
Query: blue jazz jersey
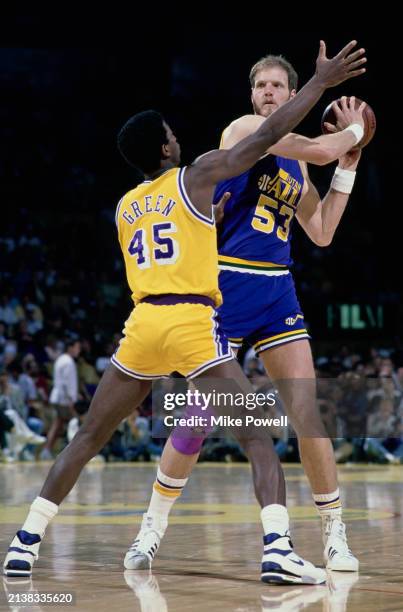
column 260, row 303
column 257, row 220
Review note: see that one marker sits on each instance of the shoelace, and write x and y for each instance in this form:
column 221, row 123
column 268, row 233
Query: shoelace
column 134, row 545
column 341, row 533
column 152, row 549
column 341, row 528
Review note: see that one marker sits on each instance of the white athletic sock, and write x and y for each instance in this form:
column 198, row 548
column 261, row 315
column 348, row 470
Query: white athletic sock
column 328, row 504
column 42, row 511
column 275, row 519
column 166, row 491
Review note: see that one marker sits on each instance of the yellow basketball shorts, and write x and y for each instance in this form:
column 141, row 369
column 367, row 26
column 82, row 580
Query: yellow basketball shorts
column 161, row 339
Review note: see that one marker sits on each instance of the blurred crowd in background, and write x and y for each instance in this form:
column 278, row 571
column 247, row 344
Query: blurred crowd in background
column 63, row 293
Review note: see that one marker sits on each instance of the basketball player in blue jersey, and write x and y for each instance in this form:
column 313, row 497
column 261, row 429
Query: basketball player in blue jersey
column 262, row 306
column 260, row 303
column 161, row 224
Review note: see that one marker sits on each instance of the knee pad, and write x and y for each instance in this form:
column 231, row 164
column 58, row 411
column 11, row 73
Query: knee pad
column 187, row 439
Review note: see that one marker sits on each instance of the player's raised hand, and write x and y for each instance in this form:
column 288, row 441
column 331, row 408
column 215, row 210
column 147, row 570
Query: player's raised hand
column 341, row 67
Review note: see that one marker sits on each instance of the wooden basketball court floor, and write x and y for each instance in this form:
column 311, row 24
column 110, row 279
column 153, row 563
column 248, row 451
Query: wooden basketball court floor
column 210, row 556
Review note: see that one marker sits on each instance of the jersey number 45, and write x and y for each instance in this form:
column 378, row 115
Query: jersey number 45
column 165, row 249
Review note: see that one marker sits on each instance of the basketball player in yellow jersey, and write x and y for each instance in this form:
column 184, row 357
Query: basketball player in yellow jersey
column 163, row 226
column 158, row 228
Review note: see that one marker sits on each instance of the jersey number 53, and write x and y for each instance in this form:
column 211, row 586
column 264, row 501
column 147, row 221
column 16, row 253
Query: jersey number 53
column 264, row 219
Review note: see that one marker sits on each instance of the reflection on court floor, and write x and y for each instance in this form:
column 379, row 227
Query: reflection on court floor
column 210, row 556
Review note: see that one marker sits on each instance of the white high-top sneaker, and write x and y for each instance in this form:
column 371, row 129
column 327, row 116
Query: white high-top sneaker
column 142, row 552
column 337, row 555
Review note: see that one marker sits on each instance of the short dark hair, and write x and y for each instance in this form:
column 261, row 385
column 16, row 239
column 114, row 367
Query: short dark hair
column 141, row 138
column 69, row 342
column 268, row 61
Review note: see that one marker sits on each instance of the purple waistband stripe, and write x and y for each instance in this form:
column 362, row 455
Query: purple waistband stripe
column 170, row 299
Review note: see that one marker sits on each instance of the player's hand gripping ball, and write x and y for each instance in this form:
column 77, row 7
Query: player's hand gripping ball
column 329, row 116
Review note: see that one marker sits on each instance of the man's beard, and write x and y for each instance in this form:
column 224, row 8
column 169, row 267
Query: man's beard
column 265, row 111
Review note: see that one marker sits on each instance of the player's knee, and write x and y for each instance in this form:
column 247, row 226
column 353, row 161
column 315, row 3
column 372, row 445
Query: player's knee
column 187, row 445
column 305, row 419
column 258, row 449
column 89, row 440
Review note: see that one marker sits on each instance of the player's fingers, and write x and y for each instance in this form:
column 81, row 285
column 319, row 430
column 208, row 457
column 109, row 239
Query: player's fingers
column 330, row 127
column 339, row 108
column 322, row 49
column 351, row 102
column 346, row 50
column 354, row 56
column 362, row 106
column 355, row 73
column 224, row 199
column 359, row 62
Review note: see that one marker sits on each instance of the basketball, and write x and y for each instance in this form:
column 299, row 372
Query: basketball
column 369, row 121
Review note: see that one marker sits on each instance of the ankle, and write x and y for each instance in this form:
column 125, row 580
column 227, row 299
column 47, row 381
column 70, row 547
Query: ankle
column 156, row 522
column 275, row 519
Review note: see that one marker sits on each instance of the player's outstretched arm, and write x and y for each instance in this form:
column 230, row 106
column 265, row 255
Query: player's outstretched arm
column 219, row 165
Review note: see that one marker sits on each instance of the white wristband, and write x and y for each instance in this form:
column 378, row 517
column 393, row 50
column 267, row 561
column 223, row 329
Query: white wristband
column 357, row 130
column 343, row 180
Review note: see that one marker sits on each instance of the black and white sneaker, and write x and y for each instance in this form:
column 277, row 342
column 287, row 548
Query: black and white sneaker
column 142, row 552
column 337, row 555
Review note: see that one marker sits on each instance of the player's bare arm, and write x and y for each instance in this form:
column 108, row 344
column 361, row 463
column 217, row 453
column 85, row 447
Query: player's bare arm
column 320, row 150
column 320, row 218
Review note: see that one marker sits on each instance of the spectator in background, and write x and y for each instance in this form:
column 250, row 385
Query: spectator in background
column 2, row 335
column 79, row 411
column 6, row 424
column 64, row 394
column 353, row 408
column 398, row 379
column 87, row 374
column 103, row 361
column 10, row 309
column 21, row 377
column 381, row 429
column 20, row 434
column 139, row 442
column 53, row 347
column 10, row 352
column 386, row 389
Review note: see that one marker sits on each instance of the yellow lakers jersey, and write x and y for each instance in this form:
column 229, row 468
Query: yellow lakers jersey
column 167, row 244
